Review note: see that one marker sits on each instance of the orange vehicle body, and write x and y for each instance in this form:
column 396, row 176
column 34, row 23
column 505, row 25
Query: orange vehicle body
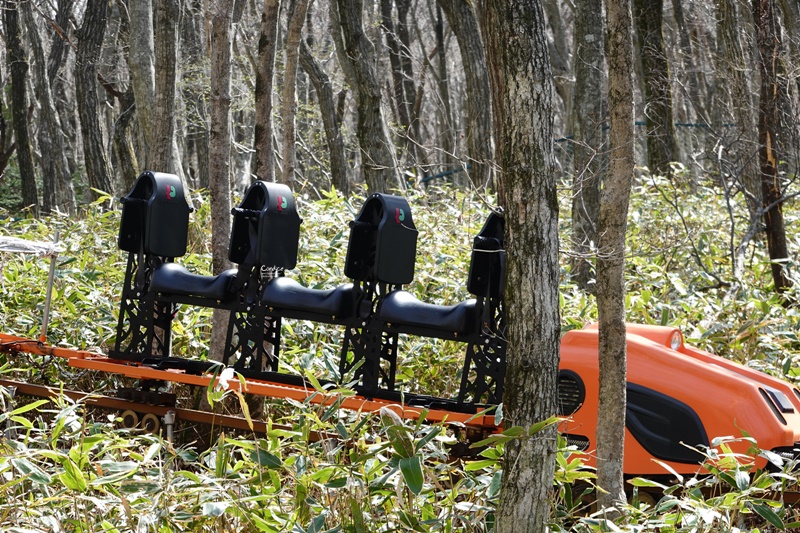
column 678, row 393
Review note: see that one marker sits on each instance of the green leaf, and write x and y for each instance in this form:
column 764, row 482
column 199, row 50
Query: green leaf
column 769, row 515
column 266, row 459
column 72, row 477
column 27, row 468
column 411, row 468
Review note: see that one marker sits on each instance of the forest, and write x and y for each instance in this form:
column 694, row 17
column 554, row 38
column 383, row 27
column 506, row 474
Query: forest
column 339, row 99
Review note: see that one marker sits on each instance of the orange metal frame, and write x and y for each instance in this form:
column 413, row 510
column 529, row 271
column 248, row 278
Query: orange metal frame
column 93, row 361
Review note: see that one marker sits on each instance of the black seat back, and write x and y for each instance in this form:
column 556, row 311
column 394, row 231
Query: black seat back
column 155, row 216
column 383, row 242
column 266, row 227
column 487, row 265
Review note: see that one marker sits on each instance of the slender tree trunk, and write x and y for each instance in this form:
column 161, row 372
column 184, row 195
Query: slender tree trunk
column 461, row 18
column 18, row 68
column 612, row 226
column 732, row 60
column 590, row 140
column 523, row 125
column 559, row 53
column 194, row 50
column 141, row 63
column 58, row 44
column 289, row 108
column 768, row 43
column 330, row 120
column 90, row 41
column 446, row 140
column 220, row 41
column 263, row 162
column 165, row 152
column 377, row 152
column 7, row 147
column 657, row 93
column 57, row 182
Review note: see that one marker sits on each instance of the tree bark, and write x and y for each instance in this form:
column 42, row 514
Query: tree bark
column 378, row 163
column 612, row 226
column 18, row 69
column 165, row 152
column 657, row 93
column 289, row 108
column 193, row 44
column 773, row 85
column 220, row 41
column 461, row 18
column 90, row 41
column 57, row 186
column 731, row 59
column 330, row 120
column 590, row 138
column 446, row 140
column 523, row 125
column 263, row 162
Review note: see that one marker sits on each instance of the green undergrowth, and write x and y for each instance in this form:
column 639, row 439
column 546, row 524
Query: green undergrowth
column 67, row 468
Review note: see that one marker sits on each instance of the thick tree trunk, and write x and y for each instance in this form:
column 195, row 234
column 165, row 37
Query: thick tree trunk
column 330, row 121
column 56, row 180
column 612, row 226
column 220, row 40
column 377, row 152
column 590, row 139
column 263, row 162
column 289, row 108
column 656, row 90
column 523, row 125
column 18, row 68
column 90, row 41
column 461, row 17
column 58, row 44
column 7, row 147
column 773, row 85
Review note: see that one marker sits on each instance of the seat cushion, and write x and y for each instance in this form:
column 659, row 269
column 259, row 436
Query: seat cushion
column 401, row 308
column 286, row 293
column 171, row 278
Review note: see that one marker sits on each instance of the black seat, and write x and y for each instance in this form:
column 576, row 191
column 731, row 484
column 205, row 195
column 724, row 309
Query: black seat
column 293, row 300
column 479, row 322
column 175, row 279
column 452, row 321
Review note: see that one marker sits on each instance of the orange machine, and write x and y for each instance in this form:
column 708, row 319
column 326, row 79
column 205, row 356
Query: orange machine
column 679, row 398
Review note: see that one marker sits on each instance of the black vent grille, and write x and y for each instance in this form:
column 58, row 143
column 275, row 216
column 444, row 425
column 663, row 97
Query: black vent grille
column 571, row 392
column 580, row 442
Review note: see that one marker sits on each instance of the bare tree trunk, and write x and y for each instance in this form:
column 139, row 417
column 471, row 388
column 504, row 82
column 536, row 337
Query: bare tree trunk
column 90, row 41
column 18, row 68
column 165, row 152
column 330, row 120
column 523, row 124
column 768, row 43
column 461, row 17
column 194, row 42
column 590, row 140
column 7, row 147
column 446, row 139
column 657, row 92
column 56, row 180
column 559, row 53
column 377, row 152
column 732, row 60
column 612, row 226
column 263, row 162
column 220, row 41
column 289, row 108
